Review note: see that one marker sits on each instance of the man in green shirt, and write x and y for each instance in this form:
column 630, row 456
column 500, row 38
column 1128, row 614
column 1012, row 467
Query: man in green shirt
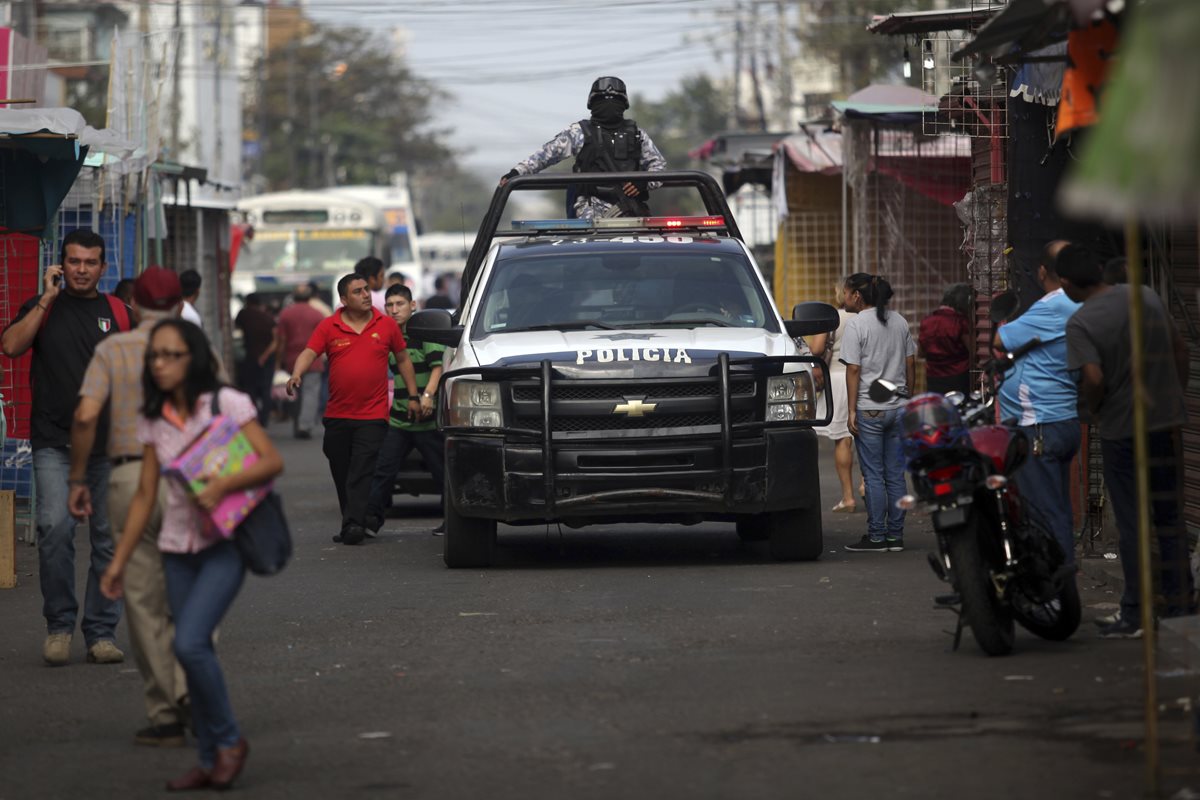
column 405, row 434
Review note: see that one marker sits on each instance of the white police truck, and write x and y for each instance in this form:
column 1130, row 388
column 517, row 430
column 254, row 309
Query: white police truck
column 626, row 370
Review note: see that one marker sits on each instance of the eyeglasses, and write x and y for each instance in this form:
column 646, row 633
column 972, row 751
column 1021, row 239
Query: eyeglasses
column 165, row 355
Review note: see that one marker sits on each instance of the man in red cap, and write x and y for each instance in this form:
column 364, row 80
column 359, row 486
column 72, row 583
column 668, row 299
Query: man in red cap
column 114, row 378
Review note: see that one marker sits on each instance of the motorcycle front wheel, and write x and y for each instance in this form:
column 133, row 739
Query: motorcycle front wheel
column 990, row 620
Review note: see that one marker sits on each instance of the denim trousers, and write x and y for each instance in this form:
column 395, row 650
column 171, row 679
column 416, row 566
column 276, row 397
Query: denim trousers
column 398, row 443
column 1173, row 567
column 1044, row 481
column 200, row 589
column 56, row 546
column 882, row 465
column 352, row 447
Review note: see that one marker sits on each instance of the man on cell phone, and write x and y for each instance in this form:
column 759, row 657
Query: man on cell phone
column 62, row 325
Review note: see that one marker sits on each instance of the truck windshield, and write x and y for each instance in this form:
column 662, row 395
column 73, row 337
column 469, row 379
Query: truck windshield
column 644, row 289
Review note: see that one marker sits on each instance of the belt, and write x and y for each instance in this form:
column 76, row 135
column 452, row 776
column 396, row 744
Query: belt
column 120, row 460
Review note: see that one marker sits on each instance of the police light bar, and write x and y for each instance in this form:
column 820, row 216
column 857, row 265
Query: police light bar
column 624, row 223
column 684, row 222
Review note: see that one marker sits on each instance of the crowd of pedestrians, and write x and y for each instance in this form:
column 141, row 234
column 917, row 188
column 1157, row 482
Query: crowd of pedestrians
column 122, row 386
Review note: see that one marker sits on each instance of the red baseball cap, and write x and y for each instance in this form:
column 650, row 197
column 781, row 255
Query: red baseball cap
column 157, row 289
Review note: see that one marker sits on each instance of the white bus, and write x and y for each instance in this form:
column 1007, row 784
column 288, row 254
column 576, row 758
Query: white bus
column 319, row 235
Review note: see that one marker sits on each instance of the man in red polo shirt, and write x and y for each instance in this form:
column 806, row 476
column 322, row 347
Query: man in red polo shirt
column 356, row 340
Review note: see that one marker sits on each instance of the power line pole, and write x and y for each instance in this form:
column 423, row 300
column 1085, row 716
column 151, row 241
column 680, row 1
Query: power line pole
column 176, row 87
column 735, row 122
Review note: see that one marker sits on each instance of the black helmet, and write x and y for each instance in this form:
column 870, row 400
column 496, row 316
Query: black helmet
column 607, row 88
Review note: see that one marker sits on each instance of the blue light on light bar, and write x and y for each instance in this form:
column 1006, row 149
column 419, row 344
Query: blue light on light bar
column 550, row 224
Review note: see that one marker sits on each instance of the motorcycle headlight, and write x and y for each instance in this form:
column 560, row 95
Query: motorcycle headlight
column 475, row 404
column 791, row 397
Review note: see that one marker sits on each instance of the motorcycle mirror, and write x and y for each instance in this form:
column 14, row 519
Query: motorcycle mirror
column 955, row 398
column 881, row 391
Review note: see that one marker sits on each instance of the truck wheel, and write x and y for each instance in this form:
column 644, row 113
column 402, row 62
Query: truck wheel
column 469, row 541
column 795, row 534
column 753, row 528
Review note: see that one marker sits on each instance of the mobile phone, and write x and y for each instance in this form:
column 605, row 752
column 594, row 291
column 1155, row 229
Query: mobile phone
column 58, row 279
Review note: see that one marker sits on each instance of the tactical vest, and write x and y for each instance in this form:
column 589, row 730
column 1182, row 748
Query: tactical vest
column 622, row 146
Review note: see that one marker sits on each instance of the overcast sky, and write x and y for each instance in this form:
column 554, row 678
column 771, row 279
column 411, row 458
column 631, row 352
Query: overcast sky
column 520, row 69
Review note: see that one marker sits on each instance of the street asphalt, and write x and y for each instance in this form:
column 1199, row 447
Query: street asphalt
column 623, row 662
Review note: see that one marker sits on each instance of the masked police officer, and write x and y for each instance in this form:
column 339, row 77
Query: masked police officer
column 607, row 142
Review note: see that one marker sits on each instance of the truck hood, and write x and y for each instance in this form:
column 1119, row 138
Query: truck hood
column 650, row 352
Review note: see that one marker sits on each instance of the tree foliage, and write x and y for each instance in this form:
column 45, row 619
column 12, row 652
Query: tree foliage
column 336, row 107
column 837, row 30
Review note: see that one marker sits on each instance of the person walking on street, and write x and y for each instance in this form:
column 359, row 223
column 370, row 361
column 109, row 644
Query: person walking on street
column 293, row 330
column 258, row 341
column 63, row 325
column 607, row 142
column 1040, row 394
column 357, row 341
column 829, row 347
column 945, row 341
column 190, row 280
column 877, row 344
column 371, row 270
column 114, row 380
column 405, row 433
column 1099, row 347
column 203, row 570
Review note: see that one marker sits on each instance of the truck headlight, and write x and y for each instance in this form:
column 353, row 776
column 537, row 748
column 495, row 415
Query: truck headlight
column 790, row 397
column 475, row 404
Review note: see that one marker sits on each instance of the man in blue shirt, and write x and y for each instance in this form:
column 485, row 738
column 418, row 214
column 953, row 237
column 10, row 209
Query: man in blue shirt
column 1039, row 393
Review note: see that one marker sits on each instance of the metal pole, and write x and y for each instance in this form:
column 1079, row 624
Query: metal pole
column 1142, row 474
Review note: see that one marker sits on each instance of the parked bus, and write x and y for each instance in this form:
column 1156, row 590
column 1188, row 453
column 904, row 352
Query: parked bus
column 318, row 236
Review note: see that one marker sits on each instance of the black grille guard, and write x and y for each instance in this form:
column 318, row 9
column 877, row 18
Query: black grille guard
column 759, row 366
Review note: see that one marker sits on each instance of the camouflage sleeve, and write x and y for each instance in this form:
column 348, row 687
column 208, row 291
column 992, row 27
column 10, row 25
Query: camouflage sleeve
column 565, row 145
column 652, row 159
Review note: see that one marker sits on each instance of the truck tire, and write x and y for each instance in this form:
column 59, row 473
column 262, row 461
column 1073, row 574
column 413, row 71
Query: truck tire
column 795, row 534
column 990, row 620
column 469, row 541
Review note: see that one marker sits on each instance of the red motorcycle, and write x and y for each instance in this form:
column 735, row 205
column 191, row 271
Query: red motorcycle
column 1003, row 565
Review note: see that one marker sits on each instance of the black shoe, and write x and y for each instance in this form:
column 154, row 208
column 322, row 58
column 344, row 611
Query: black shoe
column 337, row 538
column 374, row 523
column 895, row 544
column 868, row 545
column 303, row 434
column 440, row 530
column 161, row 736
column 353, row 534
column 1122, row 629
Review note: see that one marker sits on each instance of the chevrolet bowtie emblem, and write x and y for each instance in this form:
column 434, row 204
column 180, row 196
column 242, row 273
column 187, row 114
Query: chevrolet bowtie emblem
column 634, row 407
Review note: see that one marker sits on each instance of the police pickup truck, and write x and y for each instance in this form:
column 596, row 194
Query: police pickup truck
column 626, row 370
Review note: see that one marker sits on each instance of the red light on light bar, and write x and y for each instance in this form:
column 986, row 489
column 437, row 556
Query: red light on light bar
column 684, row 222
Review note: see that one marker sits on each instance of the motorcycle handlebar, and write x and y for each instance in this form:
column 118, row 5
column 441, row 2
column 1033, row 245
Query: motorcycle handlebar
column 1008, row 359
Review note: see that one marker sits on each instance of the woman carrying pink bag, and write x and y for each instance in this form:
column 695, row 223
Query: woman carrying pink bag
column 204, row 571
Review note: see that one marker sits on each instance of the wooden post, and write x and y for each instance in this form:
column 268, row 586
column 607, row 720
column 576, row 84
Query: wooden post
column 8, row 539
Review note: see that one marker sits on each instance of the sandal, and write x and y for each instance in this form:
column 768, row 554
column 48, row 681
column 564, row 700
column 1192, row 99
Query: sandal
column 844, row 508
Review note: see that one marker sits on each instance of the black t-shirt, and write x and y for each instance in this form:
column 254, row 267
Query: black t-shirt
column 258, row 329
column 61, row 352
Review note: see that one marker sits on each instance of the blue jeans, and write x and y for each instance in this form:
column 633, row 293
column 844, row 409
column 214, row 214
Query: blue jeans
column 396, row 446
column 56, row 547
column 200, row 589
column 1044, row 481
column 882, row 465
column 1174, row 571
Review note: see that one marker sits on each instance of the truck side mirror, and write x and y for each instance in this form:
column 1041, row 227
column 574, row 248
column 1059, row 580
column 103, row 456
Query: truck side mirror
column 811, row 318
column 434, row 325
